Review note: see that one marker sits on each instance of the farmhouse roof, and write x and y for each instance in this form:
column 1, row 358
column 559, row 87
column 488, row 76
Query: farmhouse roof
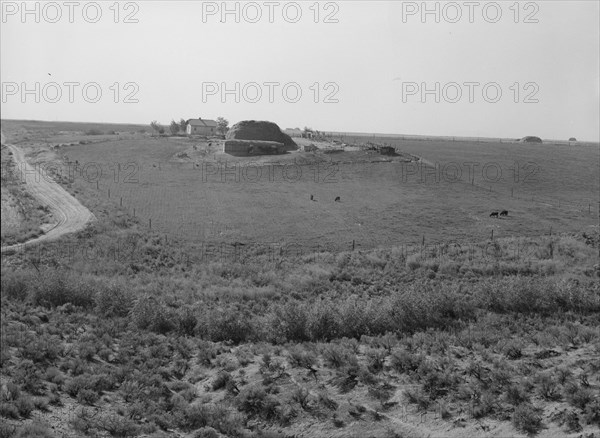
column 202, row 122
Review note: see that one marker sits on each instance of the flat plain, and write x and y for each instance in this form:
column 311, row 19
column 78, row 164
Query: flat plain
column 184, row 187
column 401, row 310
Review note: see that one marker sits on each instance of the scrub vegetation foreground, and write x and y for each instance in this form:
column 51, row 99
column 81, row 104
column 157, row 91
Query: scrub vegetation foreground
column 365, row 343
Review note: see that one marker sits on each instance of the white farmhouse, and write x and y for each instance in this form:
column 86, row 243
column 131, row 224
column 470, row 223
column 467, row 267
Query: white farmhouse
column 201, row 126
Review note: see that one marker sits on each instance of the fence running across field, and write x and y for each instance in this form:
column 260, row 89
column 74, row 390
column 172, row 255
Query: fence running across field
column 590, row 207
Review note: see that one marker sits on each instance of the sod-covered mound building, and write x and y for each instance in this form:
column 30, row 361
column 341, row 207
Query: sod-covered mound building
column 251, row 137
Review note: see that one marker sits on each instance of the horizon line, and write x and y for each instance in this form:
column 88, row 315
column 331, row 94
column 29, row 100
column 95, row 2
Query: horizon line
column 366, row 134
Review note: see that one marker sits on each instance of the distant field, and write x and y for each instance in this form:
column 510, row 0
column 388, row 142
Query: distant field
column 379, row 206
column 32, row 128
column 180, row 191
column 549, row 172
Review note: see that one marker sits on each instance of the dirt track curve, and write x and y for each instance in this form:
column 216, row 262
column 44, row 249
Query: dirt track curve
column 70, row 215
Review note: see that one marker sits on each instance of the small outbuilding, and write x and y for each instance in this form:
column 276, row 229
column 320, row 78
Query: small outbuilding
column 387, row 150
column 531, row 139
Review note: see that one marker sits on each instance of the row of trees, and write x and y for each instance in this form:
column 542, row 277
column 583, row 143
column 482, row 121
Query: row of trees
column 179, row 127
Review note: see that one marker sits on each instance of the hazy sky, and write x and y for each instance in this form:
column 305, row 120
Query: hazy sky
column 366, row 71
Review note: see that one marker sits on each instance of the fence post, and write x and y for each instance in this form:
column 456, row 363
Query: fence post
column 492, row 234
column 353, row 244
column 150, row 223
column 121, row 202
column 97, row 187
column 134, row 212
column 109, row 193
column 511, row 192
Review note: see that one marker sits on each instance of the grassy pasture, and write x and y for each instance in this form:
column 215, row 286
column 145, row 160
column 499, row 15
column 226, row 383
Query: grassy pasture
column 548, row 172
column 380, row 204
column 184, row 192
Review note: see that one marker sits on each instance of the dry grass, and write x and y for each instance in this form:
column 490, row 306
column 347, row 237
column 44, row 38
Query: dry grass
column 377, row 208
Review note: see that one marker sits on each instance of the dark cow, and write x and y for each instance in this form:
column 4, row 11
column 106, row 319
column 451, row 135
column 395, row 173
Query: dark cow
column 494, row 214
column 504, row 213
column 312, row 198
column 338, row 199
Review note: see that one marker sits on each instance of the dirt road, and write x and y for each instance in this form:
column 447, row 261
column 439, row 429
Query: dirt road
column 70, row 215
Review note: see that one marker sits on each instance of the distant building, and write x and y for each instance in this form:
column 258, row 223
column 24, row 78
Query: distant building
column 387, row 150
column 310, row 148
column 201, row 127
column 531, row 139
column 293, row 132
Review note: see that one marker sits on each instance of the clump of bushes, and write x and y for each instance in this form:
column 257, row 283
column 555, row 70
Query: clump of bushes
column 301, row 357
column 229, row 324
column 577, row 395
column 404, row 361
column 113, row 300
column 338, row 356
column 53, row 288
column 116, row 425
column 535, row 295
column 14, row 284
column 527, row 418
column 34, row 430
column 254, row 401
column 148, row 313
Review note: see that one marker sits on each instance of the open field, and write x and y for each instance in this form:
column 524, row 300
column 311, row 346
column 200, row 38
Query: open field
column 548, row 172
column 127, row 329
column 203, row 195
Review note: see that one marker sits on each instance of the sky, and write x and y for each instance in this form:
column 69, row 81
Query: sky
column 484, row 69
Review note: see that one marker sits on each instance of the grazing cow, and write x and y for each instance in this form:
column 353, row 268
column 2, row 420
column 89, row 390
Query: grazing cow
column 337, row 199
column 504, row 213
column 494, row 214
